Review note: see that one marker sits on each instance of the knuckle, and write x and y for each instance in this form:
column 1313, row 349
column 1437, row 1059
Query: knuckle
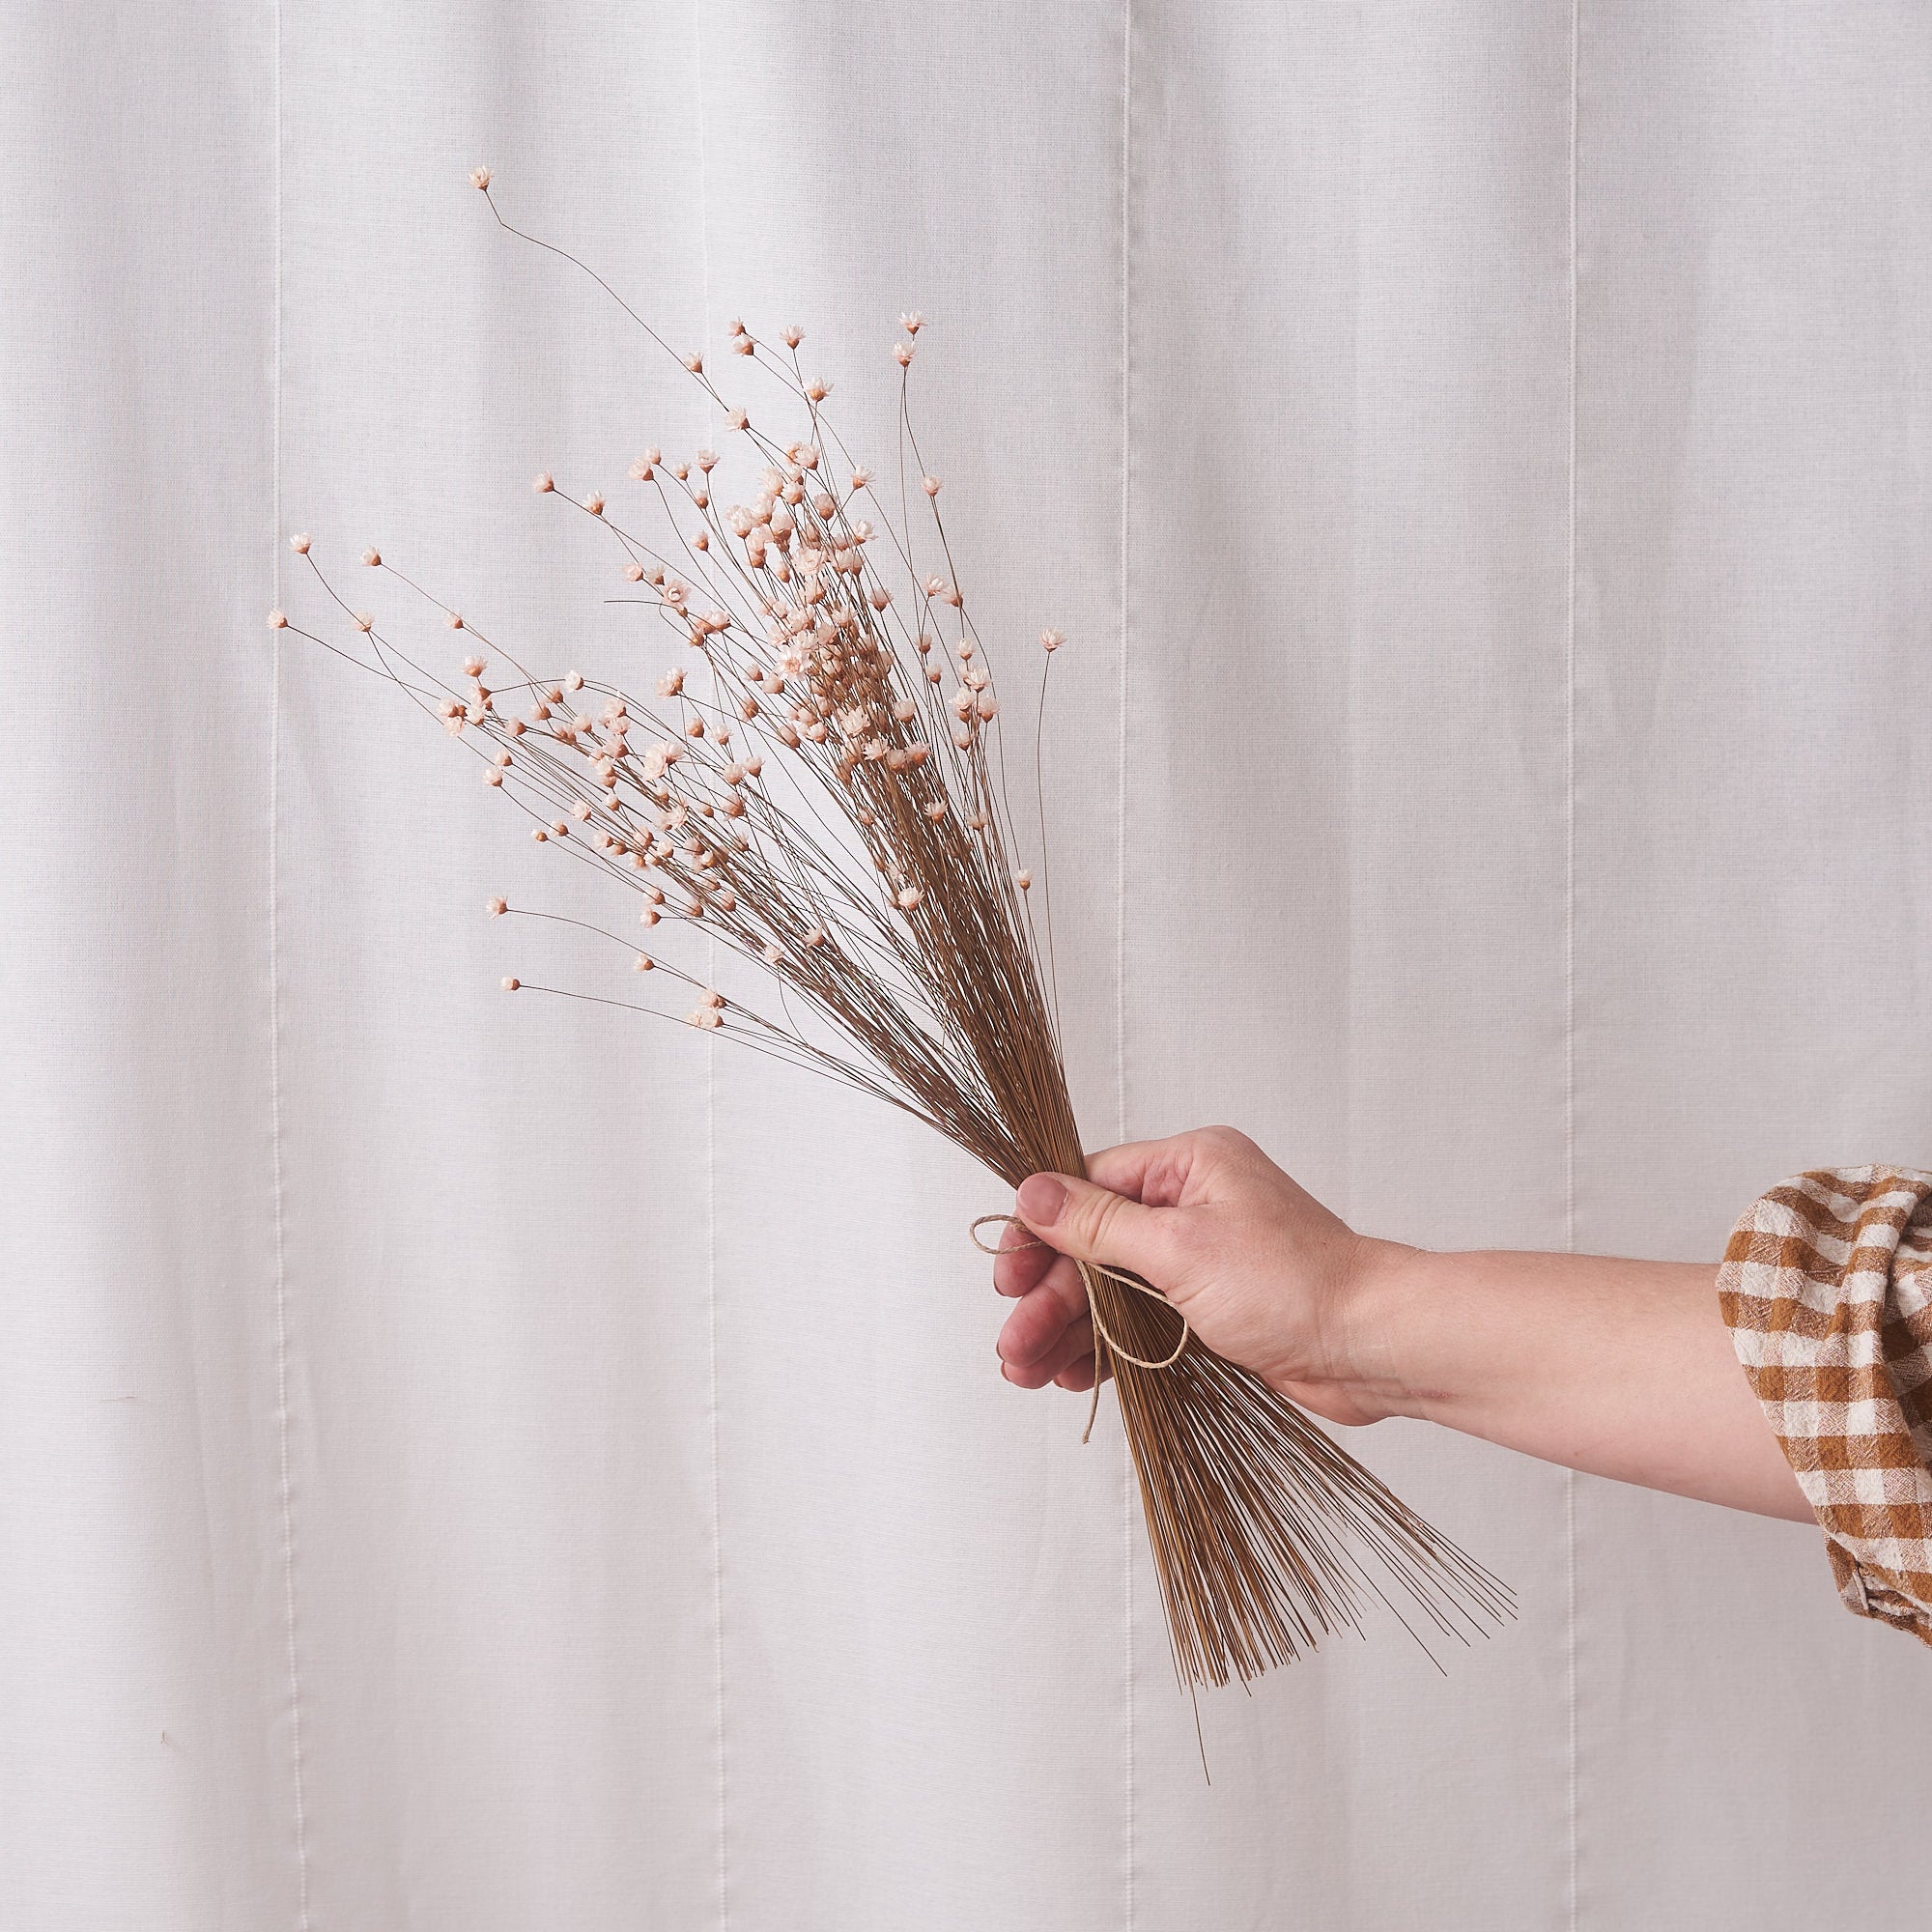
column 1102, row 1218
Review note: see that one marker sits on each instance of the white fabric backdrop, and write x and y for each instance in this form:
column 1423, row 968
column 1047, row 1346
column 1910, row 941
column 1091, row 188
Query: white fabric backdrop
column 468, row 1463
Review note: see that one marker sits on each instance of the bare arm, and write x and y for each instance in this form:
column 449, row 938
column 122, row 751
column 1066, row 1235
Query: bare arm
column 1618, row 1368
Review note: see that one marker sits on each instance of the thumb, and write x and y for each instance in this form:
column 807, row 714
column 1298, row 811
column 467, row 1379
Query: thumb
column 1095, row 1224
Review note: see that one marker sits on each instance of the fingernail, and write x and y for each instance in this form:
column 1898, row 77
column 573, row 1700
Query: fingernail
column 1042, row 1199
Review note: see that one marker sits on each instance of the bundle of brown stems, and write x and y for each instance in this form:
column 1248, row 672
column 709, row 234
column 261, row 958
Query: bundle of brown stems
column 821, row 791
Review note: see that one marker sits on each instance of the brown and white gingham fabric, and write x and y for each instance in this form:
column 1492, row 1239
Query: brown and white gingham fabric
column 1827, row 1286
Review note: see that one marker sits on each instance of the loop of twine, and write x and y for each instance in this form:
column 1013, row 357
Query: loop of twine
column 1102, row 1337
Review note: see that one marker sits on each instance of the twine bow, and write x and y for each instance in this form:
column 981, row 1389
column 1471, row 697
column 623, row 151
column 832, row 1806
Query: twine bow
column 1102, row 1337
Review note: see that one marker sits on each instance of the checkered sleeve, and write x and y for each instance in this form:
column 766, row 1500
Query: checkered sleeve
column 1826, row 1287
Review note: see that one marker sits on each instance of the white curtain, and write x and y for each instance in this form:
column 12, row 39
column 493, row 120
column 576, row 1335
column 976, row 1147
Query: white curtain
column 491, row 1465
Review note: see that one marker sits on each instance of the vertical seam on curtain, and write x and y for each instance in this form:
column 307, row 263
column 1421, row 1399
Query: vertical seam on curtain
column 1127, row 1485
column 1571, row 1817
column 722, row 1875
column 288, row 1511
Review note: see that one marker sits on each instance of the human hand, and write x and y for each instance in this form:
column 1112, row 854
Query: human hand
column 1265, row 1275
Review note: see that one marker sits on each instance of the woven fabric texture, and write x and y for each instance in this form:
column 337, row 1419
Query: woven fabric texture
column 1827, row 1286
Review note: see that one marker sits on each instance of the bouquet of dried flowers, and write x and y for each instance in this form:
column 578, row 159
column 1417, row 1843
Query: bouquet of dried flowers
column 818, row 786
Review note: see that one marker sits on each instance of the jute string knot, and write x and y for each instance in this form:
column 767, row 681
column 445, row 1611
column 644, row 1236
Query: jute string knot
column 1102, row 1338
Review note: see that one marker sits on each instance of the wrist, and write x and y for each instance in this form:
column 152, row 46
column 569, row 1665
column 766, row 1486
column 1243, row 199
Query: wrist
column 1374, row 1349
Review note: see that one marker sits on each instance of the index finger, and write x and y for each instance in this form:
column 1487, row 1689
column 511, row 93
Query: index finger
column 1152, row 1173
column 1023, row 1259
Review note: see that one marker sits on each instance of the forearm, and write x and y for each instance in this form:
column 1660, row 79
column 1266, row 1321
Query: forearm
column 1616, row 1368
